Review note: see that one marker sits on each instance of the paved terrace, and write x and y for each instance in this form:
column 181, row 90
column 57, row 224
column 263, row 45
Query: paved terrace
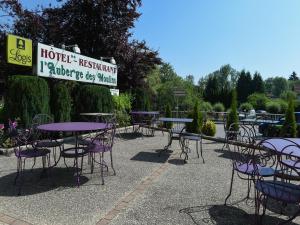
column 146, row 190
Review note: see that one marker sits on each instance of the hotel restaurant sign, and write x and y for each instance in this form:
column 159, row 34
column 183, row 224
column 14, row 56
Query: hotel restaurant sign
column 61, row 64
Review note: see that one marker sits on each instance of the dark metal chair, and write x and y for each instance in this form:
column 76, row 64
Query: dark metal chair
column 285, row 190
column 101, row 143
column 186, row 138
column 44, row 140
column 244, row 159
column 24, row 149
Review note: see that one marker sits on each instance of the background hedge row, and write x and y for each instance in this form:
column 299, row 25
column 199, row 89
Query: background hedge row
column 27, row 96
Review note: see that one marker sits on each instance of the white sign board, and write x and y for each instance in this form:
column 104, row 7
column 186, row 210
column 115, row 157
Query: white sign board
column 115, row 92
column 61, row 64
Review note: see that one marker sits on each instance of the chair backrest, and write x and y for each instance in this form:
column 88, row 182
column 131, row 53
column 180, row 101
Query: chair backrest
column 21, row 139
column 105, row 137
column 37, row 120
column 240, row 154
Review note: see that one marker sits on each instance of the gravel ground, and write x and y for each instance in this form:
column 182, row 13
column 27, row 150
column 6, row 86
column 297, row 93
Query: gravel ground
column 191, row 193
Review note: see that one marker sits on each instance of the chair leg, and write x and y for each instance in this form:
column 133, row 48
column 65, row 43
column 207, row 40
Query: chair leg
column 101, row 167
column 92, row 158
column 19, row 168
column 249, row 188
column 77, row 171
column 197, row 149
column 230, row 190
column 257, row 207
column 34, row 161
column 21, row 176
column 111, row 163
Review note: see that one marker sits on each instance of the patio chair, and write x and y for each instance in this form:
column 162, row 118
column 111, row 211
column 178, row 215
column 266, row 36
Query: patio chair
column 101, row 143
column 186, row 138
column 137, row 121
column 24, row 149
column 44, row 140
column 285, row 190
column 244, row 160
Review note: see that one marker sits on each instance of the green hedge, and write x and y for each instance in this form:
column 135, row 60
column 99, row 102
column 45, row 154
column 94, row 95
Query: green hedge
column 92, row 98
column 273, row 107
column 246, row 106
column 219, row 107
column 26, row 96
column 61, row 103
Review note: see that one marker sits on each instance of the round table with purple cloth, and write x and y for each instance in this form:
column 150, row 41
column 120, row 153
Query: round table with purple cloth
column 73, row 126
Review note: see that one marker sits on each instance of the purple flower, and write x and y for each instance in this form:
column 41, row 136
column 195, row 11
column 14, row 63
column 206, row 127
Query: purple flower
column 1, row 126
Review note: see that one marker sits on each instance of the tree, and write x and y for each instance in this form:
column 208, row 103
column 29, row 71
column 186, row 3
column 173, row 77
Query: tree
column 269, row 85
column 279, row 85
column 100, row 28
column 219, row 85
column 190, row 79
column 167, row 73
column 257, row 83
column 243, row 86
column 289, row 128
column 293, row 76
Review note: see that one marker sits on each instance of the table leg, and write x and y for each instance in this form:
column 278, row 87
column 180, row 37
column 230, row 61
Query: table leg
column 166, row 148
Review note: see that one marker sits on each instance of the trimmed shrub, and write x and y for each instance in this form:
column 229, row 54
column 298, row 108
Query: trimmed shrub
column 26, row 97
column 209, row 128
column 289, row 128
column 122, row 105
column 92, row 98
column 206, row 106
column 122, row 102
column 273, row 107
column 246, row 106
column 258, row 101
column 196, row 115
column 232, row 116
column 61, row 104
column 286, row 95
column 219, row 107
column 283, row 105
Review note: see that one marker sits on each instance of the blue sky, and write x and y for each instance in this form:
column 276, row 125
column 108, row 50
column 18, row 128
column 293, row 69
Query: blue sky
column 199, row 36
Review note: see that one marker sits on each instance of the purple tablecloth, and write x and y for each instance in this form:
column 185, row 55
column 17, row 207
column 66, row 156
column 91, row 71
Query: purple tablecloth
column 73, row 126
column 286, row 146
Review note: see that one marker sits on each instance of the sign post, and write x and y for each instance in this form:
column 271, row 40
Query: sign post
column 178, row 93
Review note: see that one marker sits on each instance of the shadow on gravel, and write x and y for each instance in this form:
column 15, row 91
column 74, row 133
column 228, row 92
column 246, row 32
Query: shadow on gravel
column 35, row 183
column 227, row 154
column 225, row 215
column 129, row 136
column 178, row 162
column 151, row 157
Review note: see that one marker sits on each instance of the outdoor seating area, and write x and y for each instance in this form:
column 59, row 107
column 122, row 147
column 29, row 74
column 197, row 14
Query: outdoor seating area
column 134, row 112
column 145, row 180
